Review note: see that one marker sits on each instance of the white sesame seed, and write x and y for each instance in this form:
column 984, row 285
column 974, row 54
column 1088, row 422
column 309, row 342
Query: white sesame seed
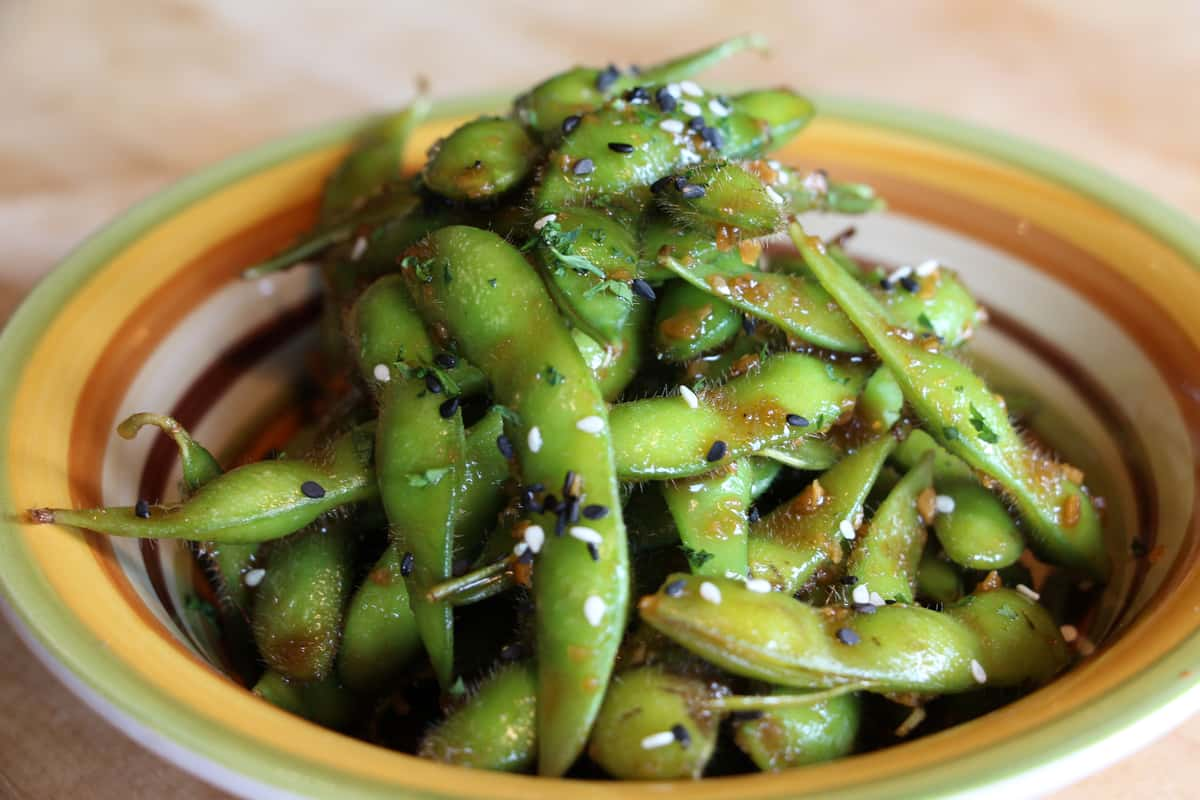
column 978, row 672
column 382, row 373
column 877, row 600
column 687, row 157
column 690, row 88
column 593, row 609
column 360, row 247
column 861, row 594
column 781, row 175
column 584, row 534
column 671, row 125
column 544, row 221
column 1069, row 633
column 900, row 273
column 710, row 592
column 519, row 549
column 254, row 577
column 674, row 90
column 696, row 487
column 718, row 108
column 1084, row 646
column 690, row 108
column 592, row 424
column 774, row 196
column 535, row 439
column 535, row 537
column 759, row 585
column 846, row 528
column 816, row 182
column 266, row 287
column 927, row 267
column 657, row 740
column 733, row 576
column 689, row 397
column 944, row 504
column 1025, row 591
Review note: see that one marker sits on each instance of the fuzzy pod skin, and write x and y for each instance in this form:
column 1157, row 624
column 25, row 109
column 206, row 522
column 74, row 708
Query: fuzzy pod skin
column 887, row 556
column 898, row 648
column 710, row 513
column 326, row 702
column 254, row 503
column 480, row 160
column 646, row 702
column 299, row 606
column 504, row 321
column 496, row 728
column 380, row 637
column 963, row 415
column 689, row 323
column 734, row 203
column 805, row 535
column 978, row 533
column 793, row 737
column 664, row 437
column 938, row 581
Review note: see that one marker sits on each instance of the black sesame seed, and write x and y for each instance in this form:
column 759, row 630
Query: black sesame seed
column 445, row 360
column 570, row 509
column 662, row 184
column 584, row 166
column 560, row 524
column 797, row 421
column 448, row 408
column 643, row 289
column 713, row 136
column 749, row 324
column 550, row 504
column 691, row 191
column 568, row 485
column 666, row 100
column 433, row 384
column 885, row 284
column 696, row 123
column 593, row 551
column 680, row 182
column 753, row 514
column 717, row 451
column 526, row 557
column 848, row 580
column 312, row 489
column 505, row 446
column 142, row 509
column 681, row 734
column 536, row 488
column 847, row 636
column 595, row 512
column 864, row 608
column 406, row 564
column 621, row 147
column 570, row 123
column 607, row 77
column 675, row 588
column 637, row 94
column 910, row 283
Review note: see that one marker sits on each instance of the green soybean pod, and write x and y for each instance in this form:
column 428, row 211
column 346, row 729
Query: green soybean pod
column 689, row 323
column 496, row 728
column 882, row 402
column 792, row 737
column 710, row 513
column 326, row 702
column 299, row 605
column 654, row 726
column 938, row 580
column 482, row 159
column 380, row 636
column 887, row 555
column 725, row 199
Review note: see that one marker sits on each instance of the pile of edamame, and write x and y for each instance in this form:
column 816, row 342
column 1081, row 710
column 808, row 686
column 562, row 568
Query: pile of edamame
column 609, row 487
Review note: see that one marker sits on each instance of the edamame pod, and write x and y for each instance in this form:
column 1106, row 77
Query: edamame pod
column 886, row 557
column 482, row 159
column 689, row 323
column 495, row 728
column 710, row 512
column 792, row 737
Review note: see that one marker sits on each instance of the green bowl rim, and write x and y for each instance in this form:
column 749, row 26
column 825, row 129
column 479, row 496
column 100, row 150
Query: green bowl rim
column 1157, row 692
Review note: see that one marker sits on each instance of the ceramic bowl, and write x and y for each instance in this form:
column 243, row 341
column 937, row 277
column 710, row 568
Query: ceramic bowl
column 1092, row 288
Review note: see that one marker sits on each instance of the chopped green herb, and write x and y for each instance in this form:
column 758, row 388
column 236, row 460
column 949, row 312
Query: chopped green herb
column 697, row 558
column 925, row 322
column 430, row 477
column 951, row 433
column 551, row 375
column 981, row 426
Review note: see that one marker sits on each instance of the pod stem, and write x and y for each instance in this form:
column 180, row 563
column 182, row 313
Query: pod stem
column 769, row 702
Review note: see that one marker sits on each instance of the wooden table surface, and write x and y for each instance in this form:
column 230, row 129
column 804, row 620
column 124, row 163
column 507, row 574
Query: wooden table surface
column 104, row 103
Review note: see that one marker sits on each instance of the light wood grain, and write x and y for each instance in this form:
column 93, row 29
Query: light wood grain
column 104, row 103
